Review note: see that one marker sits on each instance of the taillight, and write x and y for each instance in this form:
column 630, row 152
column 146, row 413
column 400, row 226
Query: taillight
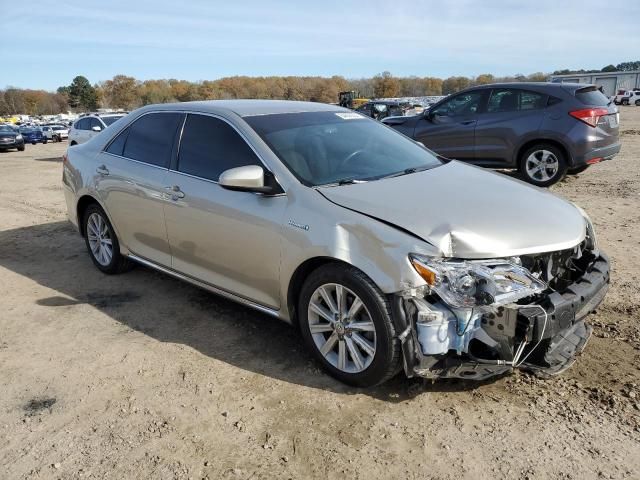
column 590, row 116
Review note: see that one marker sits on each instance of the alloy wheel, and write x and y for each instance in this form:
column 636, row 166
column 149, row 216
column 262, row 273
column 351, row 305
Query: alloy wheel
column 99, row 237
column 542, row 165
column 342, row 328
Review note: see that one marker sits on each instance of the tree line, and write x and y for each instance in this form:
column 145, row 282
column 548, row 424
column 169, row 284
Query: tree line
column 125, row 92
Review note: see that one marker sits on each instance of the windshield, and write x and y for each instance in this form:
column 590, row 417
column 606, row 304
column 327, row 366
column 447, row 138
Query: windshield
column 6, row 128
column 27, row 130
column 109, row 120
column 323, row 148
column 58, row 128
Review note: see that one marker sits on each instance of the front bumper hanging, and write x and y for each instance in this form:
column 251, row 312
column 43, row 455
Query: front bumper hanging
column 554, row 333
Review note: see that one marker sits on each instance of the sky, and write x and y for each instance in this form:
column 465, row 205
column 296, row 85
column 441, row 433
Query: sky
column 45, row 44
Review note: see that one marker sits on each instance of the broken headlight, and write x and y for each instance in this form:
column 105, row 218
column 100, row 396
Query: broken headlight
column 474, row 283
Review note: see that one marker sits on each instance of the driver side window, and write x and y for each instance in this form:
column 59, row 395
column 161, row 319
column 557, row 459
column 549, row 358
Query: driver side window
column 463, row 104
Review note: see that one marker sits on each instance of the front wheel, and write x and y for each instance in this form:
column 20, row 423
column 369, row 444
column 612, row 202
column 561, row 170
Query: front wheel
column 45, row 140
column 346, row 322
column 21, row 148
column 543, row 165
column 102, row 242
column 637, row 103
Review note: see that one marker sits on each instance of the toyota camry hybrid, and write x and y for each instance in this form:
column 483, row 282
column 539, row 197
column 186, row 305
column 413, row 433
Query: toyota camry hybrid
column 387, row 256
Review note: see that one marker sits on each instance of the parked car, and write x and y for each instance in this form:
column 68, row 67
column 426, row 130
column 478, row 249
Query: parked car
column 380, row 109
column 543, row 129
column 91, row 125
column 384, row 254
column 622, row 97
column 10, row 138
column 55, row 133
column 33, row 135
column 633, row 98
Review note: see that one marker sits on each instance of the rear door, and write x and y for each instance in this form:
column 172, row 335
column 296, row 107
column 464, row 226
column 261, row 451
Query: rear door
column 512, row 115
column 228, row 239
column 449, row 128
column 131, row 181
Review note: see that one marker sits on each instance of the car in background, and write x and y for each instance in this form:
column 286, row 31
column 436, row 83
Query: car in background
column 56, row 133
column 623, row 97
column 10, row 138
column 545, row 130
column 379, row 109
column 386, row 256
column 33, row 135
column 633, row 98
column 87, row 127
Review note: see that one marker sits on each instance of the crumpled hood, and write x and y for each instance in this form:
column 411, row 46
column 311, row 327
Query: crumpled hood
column 468, row 212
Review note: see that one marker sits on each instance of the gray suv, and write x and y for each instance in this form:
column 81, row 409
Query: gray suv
column 386, row 256
column 545, row 130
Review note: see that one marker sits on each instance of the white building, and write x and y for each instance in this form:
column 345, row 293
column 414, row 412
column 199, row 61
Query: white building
column 611, row 82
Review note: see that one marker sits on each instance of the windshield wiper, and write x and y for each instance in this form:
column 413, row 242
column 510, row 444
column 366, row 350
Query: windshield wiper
column 406, row 171
column 343, row 181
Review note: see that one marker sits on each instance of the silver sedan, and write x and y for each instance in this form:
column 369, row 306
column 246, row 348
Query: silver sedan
column 387, row 256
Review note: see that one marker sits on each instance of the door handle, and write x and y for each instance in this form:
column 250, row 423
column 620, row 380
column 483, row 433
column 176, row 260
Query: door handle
column 102, row 170
column 175, row 192
column 468, row 122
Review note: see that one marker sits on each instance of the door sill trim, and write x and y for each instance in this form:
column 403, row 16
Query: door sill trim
column 206, row 286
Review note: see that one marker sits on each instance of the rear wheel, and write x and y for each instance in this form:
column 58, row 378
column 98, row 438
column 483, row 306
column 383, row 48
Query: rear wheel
column 346, row 322
column 543, row 165
column 625, row 101
column 637, row 103
column 102, row 242
column 21, row 148
column 45, row 140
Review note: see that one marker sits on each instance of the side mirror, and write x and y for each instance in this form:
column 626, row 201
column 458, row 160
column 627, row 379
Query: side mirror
column 96, row 128
column 250, row 178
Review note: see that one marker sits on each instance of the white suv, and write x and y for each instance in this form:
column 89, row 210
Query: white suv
column 55, row 133
column 633, row 98
column 87, row 127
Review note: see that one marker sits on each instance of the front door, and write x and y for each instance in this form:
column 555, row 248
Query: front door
column 449, row 128
column 228, row 239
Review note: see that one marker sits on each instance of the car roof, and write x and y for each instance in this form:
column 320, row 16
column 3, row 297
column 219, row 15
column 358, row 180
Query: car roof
column 247, row 108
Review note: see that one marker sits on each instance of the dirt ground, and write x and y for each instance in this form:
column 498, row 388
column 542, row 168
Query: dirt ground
column 141, row 376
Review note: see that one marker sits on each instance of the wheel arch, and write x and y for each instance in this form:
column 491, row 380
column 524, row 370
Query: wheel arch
column 301, row 273
column 556, row 143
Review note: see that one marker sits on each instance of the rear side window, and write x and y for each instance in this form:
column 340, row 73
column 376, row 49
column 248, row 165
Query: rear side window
column 209, row 146
column 117, row 145
column 150, row 138
column 514, row 100
column 592, row 96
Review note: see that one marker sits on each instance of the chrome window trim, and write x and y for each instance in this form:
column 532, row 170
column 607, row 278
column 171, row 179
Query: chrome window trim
column 207, row 286
column 136, row 161
column 186, row 113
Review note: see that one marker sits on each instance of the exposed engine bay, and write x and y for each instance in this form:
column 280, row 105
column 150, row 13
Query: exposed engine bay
column 479, row 319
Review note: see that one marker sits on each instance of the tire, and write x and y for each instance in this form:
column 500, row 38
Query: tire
column 21, row 148
column 533, row 160
column 371, row 351
column 44, row 141
column 577, row 170
column 625, row 102
column 33, row 143
column 96, row 220
column 637, row 103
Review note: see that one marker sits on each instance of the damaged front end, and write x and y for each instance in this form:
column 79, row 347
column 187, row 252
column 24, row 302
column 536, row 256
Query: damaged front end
column 479, row 318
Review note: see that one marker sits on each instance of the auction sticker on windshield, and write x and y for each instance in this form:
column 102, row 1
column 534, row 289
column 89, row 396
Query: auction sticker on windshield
column 349, row 116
